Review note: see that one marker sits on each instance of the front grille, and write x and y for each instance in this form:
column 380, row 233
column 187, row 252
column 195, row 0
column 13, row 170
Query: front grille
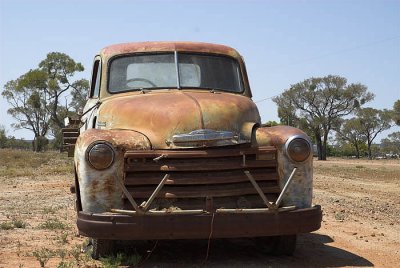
column 202, row 179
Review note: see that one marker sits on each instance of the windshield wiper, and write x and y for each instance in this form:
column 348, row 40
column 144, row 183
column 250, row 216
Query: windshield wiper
column 214, row 91
column 144, row 90
column 141, row 89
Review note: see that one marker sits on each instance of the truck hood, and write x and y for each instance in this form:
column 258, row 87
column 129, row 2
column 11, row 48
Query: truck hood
column 182, row 119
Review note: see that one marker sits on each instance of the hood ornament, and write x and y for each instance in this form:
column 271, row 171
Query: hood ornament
column 204, row 135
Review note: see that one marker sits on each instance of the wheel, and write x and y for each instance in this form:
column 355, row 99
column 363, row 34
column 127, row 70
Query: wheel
column 284, row 245
column 102, row 248
column 133, row 80
column 278, row 245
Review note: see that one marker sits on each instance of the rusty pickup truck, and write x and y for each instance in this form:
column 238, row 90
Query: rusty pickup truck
column 170, row 145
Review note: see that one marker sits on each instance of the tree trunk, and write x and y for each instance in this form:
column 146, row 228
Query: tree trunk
column 39, row 143
column 319, row 144
column 357, row 150
column 369, row 151
column 323, row 144
column 36, row 144
column 323, row 155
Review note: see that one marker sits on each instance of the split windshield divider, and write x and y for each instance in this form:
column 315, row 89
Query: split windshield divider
column 178, row 82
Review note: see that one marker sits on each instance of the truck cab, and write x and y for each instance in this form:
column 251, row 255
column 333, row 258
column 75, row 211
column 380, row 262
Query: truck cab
column 171, row 146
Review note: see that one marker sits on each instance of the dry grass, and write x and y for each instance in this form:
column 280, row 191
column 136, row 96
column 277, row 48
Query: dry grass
column 367, row 170
column 19, row 163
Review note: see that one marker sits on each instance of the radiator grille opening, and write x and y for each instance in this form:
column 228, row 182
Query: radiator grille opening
column 202, row 179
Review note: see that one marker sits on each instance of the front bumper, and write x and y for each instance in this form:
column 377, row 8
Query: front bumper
column 146, row 227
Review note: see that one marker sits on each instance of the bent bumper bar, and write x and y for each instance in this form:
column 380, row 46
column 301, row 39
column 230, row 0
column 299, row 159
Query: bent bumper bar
column 144, row 227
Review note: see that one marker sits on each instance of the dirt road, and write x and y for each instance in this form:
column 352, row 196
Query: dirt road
column 361, row 225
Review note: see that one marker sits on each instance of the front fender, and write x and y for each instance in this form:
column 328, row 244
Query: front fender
column 98, row 189
column 300, row 191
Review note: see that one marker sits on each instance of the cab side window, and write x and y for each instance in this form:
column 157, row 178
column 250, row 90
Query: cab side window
column 95, row 83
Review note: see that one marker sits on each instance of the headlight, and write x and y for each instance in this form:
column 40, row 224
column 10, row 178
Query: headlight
column 298, row 149
column 100, row 155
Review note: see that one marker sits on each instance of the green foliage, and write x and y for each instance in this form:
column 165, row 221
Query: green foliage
column 19, row 223
column 121, row 259
column 317, row 105
column 373, row 122
column 15, row 223
column 13, row 143
column 53, row 224
column 35, row 97
column 347, row 149
column 59, row 68
column 391, row 144
column 6, row 225
column 271, row 124
column 50, row 210
column 3, row 137
column 17, row 163
column 28, row 101
column 40, row 143
column 63, row 238
column 396, row 112
column 79, row 259
column 43, row 255
column 65, row 264
column 351, row 131
column 79, row 94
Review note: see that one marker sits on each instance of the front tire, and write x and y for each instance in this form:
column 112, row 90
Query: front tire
column 102, row 248
column 278, row 245
column 284, row 245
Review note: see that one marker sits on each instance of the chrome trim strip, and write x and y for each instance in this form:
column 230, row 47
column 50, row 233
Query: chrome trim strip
column 203, row 135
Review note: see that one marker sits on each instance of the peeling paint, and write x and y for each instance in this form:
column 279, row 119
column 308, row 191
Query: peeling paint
column 160, row 115
column 98, row 189
column 300, row 190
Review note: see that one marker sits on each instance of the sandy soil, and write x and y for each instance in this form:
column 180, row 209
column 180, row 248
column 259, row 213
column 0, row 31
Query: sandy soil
column 361, row 225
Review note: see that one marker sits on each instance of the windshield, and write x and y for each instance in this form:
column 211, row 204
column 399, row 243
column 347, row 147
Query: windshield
column 156, row 71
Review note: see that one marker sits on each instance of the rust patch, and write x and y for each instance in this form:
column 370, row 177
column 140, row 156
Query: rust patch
column 300, row 191
column 164, row 114
column 198, row 227
column 199, row 109
column 98, row 188
column 275, row 136
column 141, row 47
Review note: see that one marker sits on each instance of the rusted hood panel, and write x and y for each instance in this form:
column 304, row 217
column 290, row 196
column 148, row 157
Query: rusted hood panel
column 160, row 115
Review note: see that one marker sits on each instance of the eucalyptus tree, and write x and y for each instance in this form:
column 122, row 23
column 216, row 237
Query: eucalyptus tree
column 60, row 68
column 320, row 103
column 351, row 131
column 3, row 137
column 37, row 97
column 391, row 144
column 396, row 112
column 26, row 96
column 373, row 122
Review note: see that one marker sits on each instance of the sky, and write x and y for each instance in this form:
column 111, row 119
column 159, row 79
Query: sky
column 282, row 42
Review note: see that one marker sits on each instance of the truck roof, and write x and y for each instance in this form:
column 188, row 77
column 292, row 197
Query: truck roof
column 139, row 47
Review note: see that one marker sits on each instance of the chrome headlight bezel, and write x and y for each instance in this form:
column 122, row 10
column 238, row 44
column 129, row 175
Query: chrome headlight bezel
column 102, row 147
column 291, row 148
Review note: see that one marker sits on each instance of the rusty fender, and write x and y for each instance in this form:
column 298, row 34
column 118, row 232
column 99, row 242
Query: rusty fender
column 99, row 190
column 299, row 192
